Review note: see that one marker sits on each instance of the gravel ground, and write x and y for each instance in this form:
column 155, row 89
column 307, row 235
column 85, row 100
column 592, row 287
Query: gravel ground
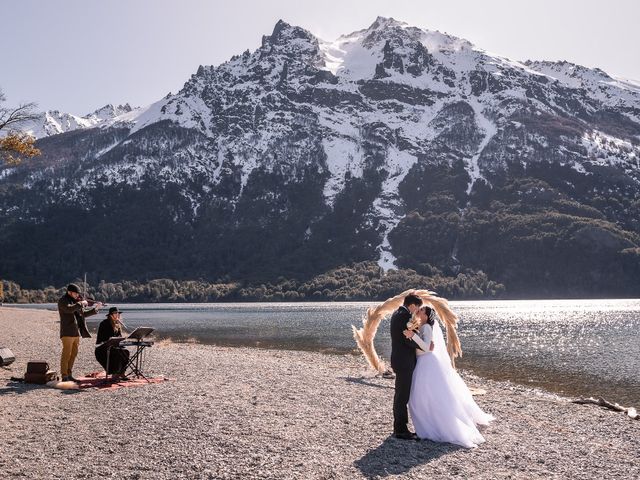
column 254, row 413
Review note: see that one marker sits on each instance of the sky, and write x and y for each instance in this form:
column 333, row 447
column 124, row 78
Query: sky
column 78, row 55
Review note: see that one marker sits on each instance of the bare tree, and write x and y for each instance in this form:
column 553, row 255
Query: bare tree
column 16, row 145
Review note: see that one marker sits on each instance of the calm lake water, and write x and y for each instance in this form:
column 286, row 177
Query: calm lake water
column 571, row 347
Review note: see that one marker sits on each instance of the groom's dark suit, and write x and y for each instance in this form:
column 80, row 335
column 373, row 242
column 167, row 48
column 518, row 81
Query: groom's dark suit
column 403, row 361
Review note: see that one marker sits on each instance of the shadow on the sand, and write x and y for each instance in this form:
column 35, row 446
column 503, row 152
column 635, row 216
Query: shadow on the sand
column 395, row 457
column 366, row 382
column 17, row 387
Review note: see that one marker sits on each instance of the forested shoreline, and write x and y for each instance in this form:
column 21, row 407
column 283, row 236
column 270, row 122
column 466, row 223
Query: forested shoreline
column 359, row 282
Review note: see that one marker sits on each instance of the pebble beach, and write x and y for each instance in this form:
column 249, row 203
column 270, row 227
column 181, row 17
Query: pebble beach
column 250, row 413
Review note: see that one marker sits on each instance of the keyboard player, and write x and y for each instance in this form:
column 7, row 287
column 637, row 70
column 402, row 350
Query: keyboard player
column 114, row 356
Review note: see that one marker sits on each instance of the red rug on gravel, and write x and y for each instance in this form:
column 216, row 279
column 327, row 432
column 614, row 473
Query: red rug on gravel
column 97, row 380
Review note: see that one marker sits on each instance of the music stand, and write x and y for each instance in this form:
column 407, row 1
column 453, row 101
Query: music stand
column 136, row 361
column 139, row 333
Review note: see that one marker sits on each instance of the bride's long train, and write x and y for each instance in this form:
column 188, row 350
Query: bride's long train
column 441, row 405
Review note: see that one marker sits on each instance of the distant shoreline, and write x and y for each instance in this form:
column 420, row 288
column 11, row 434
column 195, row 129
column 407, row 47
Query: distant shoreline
column 310, row 301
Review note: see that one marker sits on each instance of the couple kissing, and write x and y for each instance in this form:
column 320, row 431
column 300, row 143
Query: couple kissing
column 426, row 384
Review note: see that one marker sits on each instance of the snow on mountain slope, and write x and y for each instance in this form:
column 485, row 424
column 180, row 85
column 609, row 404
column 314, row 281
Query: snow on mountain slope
column 362, row 113
column 612, row 92
column 54, row 122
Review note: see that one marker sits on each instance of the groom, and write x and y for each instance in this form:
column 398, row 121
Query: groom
column 403, row 361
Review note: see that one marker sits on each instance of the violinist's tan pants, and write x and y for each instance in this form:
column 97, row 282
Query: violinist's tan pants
column 69, row 353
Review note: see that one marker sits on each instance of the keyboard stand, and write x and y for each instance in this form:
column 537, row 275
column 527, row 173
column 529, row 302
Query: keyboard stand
column 136, row 361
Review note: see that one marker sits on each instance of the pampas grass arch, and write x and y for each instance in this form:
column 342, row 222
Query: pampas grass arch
column 364, row 336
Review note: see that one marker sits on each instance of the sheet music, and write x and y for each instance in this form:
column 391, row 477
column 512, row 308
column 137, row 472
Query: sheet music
column 139, row 333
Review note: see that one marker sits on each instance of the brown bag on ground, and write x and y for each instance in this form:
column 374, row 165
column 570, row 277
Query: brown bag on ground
column 38, row 372
column 37, row 367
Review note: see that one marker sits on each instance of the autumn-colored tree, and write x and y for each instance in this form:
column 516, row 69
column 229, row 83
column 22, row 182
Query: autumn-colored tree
column 16, row 146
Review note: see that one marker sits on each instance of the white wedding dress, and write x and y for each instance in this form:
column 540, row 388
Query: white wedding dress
column 441, row 405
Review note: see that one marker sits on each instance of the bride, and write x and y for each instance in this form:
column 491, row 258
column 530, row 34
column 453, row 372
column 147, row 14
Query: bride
column 441, row 405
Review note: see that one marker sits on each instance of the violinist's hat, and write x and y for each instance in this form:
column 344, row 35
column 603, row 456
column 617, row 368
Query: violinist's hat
column 72, row 287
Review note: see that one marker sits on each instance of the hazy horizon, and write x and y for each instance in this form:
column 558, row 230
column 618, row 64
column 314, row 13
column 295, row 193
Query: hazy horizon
column 79, row 56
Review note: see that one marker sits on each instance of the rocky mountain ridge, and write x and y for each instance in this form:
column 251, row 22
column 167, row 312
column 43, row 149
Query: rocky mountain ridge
column 55, row 122
column 393, row 143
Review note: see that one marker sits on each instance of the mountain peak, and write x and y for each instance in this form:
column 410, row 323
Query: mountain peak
column 383, row 29
column 386, row 22
column 107, row 112
column 283, row 32
column 279, row 27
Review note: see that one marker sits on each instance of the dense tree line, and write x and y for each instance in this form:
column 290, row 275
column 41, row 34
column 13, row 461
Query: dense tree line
column 361, row 281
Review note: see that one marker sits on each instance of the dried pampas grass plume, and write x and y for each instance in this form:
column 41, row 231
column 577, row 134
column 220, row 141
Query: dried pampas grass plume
column 364, row 336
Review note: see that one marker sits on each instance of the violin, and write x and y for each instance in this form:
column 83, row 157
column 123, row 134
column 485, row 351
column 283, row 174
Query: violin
column 90, row 301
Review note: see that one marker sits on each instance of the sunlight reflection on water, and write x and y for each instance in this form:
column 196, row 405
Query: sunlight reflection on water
column 575, row 347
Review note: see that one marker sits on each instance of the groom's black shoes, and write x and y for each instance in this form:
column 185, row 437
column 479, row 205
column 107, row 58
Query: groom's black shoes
column 406, row 436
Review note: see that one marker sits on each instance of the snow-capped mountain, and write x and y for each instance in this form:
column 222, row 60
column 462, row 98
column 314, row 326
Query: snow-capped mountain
column 611, row 92
column 397, row 144
column 109, row 113
column 54, row 122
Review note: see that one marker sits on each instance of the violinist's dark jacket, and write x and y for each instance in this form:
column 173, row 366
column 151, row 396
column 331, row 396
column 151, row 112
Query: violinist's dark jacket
column 72, row 317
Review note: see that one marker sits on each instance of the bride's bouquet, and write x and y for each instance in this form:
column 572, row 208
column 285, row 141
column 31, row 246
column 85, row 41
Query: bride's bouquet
column 414, row 324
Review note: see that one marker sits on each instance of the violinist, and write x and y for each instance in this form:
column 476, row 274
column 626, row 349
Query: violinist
column 72, row 309
column 116, row 358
